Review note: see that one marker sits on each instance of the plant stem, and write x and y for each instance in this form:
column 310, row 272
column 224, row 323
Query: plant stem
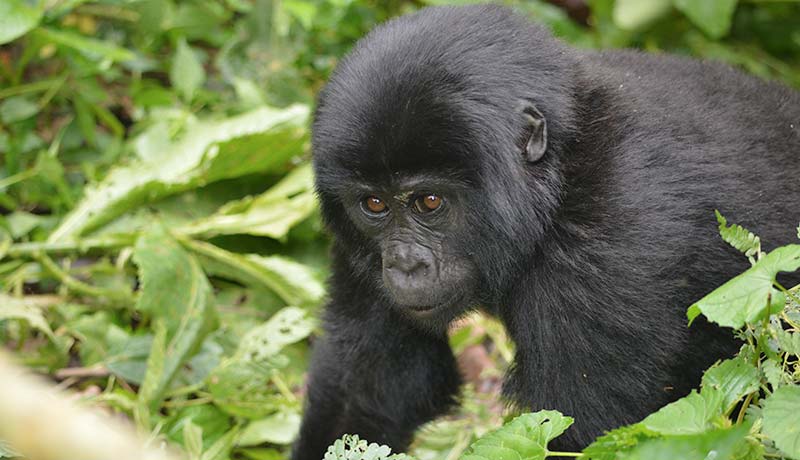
column 746, row 403
column 120, row 298
column 83, row 245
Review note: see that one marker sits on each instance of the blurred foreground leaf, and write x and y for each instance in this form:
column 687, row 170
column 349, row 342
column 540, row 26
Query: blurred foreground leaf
column 17, row 18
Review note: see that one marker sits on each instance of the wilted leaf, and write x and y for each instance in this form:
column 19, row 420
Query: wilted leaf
column 285, row 327
column 271, row 214
column 293, row 282
column 746, row 297
column 278, row 428
column 782, row 419
column 258, row 141
column 175, row 290
column 16, row 18
column 21, row 309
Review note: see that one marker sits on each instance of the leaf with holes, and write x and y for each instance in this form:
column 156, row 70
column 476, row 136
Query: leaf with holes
column 287, row 326
column 524, row 437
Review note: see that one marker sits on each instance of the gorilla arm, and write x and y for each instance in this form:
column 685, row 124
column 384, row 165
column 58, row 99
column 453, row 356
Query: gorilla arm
column 373, row 374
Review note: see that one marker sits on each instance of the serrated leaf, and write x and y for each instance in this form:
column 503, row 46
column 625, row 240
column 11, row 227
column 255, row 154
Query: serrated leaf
column 285, row 327
column 747, row 297
column 175, row 290
column 634, row 14
column 782, row 419
column 789, row 342
column 89, row 47
column 17, row 17
column 21, row 309
column 712, row 16
column 350, row 447
column 293, row 282
column 607, row 447
column 279, row 428
column 187, row 73
column 733, row 379
column 691, row 414
column 524, row 437
column 719, row 444
column 272, row 214
column 258, row 141
column 737, row 236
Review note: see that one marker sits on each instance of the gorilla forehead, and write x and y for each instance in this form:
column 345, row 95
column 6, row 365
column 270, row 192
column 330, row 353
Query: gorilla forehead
column 403, row 102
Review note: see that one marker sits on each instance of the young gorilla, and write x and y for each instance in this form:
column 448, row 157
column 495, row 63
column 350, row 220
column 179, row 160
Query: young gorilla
column 466, row 159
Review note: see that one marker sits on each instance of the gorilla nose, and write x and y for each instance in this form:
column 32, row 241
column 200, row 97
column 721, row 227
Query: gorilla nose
column 406, row 264
column 409, row 273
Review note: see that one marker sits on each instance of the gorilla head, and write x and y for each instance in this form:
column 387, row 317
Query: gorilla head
column 437, row 160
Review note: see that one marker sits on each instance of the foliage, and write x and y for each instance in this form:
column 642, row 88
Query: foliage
column 161, row 253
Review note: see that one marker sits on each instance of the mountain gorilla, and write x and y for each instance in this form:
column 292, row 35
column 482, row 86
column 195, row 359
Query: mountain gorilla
column 465, row 159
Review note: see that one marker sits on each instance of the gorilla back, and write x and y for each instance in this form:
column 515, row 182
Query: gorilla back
column 465, row 159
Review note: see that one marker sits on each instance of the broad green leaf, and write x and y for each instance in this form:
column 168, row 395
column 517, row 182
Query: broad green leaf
column 17, row 17
column 738, row 236
column 712, row 16
column 17, row 108
column 293, row 282
column 187, row 73
column 789, row 342
column 258, row 141
column 89, row 47
column 279, row 428
column 271, row 214
column 175, row 290
column 634, row 14
column 152, row 389
column 746, row 297
column 719, row 444
column 691, row 414
column 782, row 419
column 607, row 447
column 192, row 439
column 732, row 379
column 285, row 327
column 20, row 308
column 524, row 437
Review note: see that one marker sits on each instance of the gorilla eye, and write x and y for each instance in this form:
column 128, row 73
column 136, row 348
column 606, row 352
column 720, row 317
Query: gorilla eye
column 427, row 203
column 373, row 205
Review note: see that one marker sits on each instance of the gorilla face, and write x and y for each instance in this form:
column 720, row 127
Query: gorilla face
column 413, row 221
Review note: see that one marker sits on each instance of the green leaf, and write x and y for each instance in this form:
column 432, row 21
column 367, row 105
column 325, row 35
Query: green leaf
column 6, row 451
column 221, row 448
column 17, row 18
column 738, row 236
column 607, row 447
column 17, row 108
column 258, row 141
column 192, row 439
column 89, row 47
column 187, row 73
column 241, row 388
column 691, row 414
column 279, row 428
column 782, row 419
column 285, row 327
column 293, row 282
column 20, row 308
column 271, row 214
column 175, row 290
column 712, row 16
column 720, row 444
column 524, row 437
column 733, row 379
column 746, row 298
column 634, row 14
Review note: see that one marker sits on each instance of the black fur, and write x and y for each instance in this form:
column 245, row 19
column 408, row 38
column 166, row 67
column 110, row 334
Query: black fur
column 590, row 255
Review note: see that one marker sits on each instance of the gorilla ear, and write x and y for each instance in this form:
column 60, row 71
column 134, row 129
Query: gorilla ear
column 537, row 140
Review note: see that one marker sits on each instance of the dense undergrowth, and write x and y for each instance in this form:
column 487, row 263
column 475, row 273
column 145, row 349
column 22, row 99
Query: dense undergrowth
column 161, row 254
